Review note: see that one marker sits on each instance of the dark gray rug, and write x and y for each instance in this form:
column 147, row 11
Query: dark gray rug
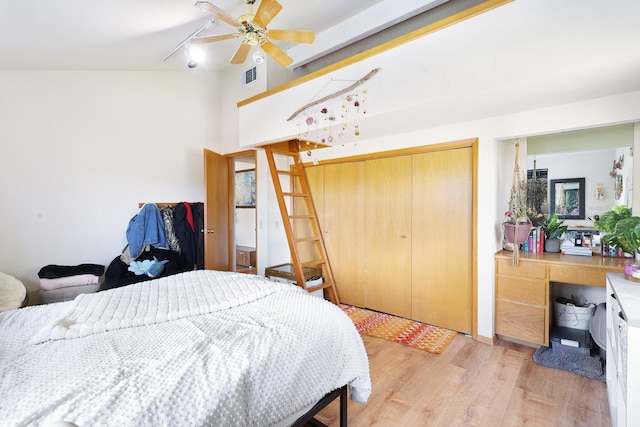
column 587, row 366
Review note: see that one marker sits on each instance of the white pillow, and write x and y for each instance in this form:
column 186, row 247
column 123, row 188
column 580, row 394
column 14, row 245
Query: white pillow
column 12, row 292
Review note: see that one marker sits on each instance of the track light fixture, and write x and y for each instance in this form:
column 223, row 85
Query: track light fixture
column 191, row 62
column 194, row 55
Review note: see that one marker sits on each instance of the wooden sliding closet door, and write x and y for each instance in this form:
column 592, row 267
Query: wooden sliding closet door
column 442, row 216
column 315, row 178
column 387, row 226
column 344, row 228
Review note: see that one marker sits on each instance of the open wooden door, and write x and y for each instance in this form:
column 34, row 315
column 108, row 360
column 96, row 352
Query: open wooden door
column 216, row 211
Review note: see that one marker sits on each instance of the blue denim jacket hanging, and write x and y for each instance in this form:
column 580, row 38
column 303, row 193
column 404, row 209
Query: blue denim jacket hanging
column 146, row 228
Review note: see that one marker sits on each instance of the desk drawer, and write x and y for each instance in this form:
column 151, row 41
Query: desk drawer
column 534, row 270
column 521, row 289
column 578, row 275
column 521, row 321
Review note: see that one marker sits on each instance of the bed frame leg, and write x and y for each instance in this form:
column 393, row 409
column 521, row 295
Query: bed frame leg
column 307, row 419
column 343, row 407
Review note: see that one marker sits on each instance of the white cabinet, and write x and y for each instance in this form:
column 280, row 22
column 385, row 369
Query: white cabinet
column 623, row 350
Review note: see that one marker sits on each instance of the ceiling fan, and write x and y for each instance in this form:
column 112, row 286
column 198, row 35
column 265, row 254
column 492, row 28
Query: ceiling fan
column 252, row 29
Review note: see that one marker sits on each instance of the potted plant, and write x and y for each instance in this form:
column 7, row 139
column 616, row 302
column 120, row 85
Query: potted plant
column 622, row 231
column 516, row 225
column 553, row 230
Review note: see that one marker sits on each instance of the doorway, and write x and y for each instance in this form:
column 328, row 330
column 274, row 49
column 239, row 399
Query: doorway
column 243, row 228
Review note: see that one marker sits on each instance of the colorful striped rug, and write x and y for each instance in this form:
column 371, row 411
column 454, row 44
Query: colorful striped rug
column 397, row 329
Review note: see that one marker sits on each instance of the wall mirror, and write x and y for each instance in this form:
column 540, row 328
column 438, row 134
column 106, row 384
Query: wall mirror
column 568, row 198
column 245, row 188
column 588, row 154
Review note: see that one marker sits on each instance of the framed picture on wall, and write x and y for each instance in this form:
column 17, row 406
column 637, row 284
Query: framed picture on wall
column 245, row 188
column 567, row 198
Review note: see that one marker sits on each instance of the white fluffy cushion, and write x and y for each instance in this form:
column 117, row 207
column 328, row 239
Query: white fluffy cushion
column 12, row 292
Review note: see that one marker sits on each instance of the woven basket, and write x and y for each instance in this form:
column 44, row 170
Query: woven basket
column 571, row 316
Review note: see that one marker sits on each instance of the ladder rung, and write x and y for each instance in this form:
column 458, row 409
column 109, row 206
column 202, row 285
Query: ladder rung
column 307, row 239
column 301, row 216
column 314, row 263
column 292, row 173
column 295, row 194
column 317, row 288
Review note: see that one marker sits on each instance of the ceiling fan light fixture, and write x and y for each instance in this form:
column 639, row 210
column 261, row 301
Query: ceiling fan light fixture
column 252, row 38
column 252, row 29
column 258, row 57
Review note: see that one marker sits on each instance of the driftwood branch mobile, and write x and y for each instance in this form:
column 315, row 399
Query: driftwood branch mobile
column 335, row 94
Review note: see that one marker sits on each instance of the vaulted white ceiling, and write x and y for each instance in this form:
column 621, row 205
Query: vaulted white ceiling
column 138, row 34
column 524, row 55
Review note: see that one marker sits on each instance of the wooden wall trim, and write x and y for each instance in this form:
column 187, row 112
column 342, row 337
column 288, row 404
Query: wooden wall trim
column 487, row 340
column 463, row 143
column 416, row 34
column 474, row 241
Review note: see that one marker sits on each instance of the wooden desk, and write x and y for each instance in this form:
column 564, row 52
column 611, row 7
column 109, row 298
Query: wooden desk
column 523, row 300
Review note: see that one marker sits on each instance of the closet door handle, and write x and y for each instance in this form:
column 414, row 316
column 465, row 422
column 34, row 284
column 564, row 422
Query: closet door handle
column 404, row 236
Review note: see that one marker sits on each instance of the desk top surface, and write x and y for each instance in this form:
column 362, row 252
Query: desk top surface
column 609, row 264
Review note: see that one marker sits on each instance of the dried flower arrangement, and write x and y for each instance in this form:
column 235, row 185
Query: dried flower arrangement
column 516, row 224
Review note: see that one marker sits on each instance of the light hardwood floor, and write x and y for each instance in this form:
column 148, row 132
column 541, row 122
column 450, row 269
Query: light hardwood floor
column 471, row 384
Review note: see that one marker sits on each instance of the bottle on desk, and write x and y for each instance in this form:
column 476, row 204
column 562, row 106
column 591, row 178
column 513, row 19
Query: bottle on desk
column 578, row 240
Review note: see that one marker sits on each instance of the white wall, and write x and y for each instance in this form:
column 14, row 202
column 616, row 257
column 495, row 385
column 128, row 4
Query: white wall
column 80, row 150
column 495, row 161
column 231, row 92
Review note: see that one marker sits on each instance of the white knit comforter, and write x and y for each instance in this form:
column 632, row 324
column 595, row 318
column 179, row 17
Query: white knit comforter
column 199, row 348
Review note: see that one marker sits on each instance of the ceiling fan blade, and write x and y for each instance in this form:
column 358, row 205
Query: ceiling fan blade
column 241, row 54
column 218, row 13
column 297, row 36
column 277, row 54
column 209, row 39
column 267, row 10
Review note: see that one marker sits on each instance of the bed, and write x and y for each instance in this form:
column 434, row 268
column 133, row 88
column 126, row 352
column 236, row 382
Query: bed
column 197, row 348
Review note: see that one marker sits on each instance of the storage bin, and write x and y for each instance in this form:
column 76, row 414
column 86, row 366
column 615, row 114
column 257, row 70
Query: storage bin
column 284, row 273
column 570, row 341
column 572, row 316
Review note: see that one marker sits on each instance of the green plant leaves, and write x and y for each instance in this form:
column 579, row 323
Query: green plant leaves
column 623, row 230
column 553, row 227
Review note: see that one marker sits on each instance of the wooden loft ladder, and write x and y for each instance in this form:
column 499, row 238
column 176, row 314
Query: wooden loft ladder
column 299, row 216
